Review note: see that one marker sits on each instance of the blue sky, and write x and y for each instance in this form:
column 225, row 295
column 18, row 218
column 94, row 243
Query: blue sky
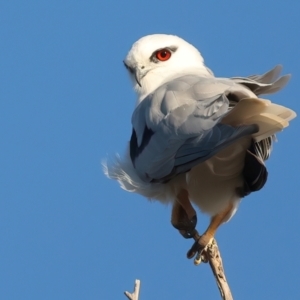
column 66, row 231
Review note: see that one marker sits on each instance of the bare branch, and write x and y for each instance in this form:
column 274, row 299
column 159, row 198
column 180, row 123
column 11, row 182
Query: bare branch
column 135, row 294
column 215, row 261
column 212, row 255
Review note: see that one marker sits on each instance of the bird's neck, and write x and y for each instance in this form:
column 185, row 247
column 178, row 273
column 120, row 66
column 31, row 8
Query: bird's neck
column 154, row 80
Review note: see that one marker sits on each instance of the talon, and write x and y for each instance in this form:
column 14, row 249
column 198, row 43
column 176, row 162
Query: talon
column 201, row 243
column 193, row 251
column 197, row 260
column 201, row 257
column 198, row 248
column 187, row 234
column 186, row 226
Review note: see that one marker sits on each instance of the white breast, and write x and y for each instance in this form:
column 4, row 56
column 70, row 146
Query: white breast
column 213, row 184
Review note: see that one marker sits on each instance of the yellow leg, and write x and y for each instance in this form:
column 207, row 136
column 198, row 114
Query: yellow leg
column 202, row 241
column 214, row 224
column 184, row 219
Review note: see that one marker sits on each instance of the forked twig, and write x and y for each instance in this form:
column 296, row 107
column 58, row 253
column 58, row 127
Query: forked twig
column 136, row 292
column 213, row 257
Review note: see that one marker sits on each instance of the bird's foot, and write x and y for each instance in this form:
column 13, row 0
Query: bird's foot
column 186, row 226
column 198, row 250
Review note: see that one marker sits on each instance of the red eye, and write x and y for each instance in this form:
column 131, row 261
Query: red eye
column 163, row 54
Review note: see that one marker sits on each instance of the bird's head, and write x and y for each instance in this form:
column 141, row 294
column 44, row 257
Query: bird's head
column 158, row 58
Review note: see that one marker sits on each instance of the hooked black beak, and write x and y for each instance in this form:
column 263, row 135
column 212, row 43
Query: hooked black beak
column 135, row 71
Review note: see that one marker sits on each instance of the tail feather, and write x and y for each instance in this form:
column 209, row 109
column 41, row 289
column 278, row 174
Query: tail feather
column 268, row 125
column 270, row 118
column 245, row 109
column 281, row 111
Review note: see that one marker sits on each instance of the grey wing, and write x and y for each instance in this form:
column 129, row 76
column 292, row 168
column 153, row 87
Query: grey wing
column 268, row 83
column 177, row 127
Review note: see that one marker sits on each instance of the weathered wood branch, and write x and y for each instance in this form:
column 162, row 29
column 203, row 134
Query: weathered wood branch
column 136, row 292
column 213, row 256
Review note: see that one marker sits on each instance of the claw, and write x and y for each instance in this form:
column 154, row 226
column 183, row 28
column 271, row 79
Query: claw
column 201, row 257
column 187, row 226
column 193, row 251
column 198, row 249
column 197, row 260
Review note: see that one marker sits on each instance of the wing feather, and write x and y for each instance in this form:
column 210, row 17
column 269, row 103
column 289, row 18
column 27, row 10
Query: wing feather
column 183, row 117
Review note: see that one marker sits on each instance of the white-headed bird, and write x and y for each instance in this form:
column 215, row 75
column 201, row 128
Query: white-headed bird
column 196, row 138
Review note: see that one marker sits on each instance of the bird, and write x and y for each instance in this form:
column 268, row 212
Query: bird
column 198, row 141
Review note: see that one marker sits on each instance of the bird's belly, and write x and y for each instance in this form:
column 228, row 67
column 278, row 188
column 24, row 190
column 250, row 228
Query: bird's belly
column 213, row 185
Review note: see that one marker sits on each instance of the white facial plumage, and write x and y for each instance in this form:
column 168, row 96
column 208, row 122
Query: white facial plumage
column 147, row 72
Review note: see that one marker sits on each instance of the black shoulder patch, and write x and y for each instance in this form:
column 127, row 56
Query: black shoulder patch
column 136, row 150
